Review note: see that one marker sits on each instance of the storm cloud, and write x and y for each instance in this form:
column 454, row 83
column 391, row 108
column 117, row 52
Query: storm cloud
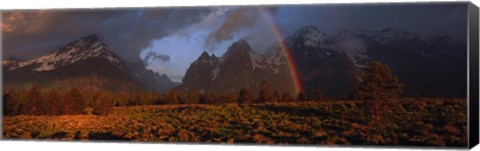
column 151, row 56
column 28, row 34
column 239, row 18
column 426, row 20
column 248, row 23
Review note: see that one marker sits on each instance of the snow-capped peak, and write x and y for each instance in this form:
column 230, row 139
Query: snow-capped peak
column 310, row 36
column 86, row 47
column 240, row 48
column 205, row 58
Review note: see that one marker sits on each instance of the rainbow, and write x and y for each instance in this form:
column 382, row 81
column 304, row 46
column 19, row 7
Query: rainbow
column 286, row 52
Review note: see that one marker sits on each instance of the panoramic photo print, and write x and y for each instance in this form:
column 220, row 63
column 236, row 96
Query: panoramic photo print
column 350, row 74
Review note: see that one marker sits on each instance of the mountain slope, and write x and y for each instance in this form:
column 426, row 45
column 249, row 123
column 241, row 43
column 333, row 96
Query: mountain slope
column 87, row 63
column 432, row 67
column 320, row 66
column 238, row 68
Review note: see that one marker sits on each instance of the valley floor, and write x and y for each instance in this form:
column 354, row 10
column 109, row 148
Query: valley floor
column 409, row 122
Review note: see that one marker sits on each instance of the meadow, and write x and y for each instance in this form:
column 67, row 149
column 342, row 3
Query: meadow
column 406, row 122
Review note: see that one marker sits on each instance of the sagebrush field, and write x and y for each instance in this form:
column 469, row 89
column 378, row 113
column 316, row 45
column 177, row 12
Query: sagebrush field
column 406, row 122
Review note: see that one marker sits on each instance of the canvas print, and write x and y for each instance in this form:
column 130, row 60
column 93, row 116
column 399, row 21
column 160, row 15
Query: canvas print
column 349, row 74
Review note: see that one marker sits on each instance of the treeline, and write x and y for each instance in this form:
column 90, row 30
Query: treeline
column 51, row 102
column 75, row 101
column 378, row 85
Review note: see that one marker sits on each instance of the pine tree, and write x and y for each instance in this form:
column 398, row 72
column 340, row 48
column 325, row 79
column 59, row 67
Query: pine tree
column 152, row 98
column 11, row 100
column 89, row 98
column 192, row 97
column 7, row 104
column 64, row 105
column 378, row 85
column 276, row 97
column 319, row 95
column 103, row 103
column 209, row 98
column 33, row 97
column 301, row 97
column 51, row 99
column 264, row 95
column 286, row 97
column 202, row 99
column 173, row 97
column 75, row 100
column 244, row 96
column 122, row 98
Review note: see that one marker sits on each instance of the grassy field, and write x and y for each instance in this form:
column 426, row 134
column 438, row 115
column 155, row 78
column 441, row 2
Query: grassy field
column 412, row 122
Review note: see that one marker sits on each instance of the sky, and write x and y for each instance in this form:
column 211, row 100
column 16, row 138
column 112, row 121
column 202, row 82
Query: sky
column 168, row 40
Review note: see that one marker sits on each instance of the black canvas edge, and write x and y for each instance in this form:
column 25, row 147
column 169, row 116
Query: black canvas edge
column 1, row 82
column 473, row 82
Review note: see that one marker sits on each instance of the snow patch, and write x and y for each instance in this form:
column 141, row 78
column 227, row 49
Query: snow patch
column 69, row 56
column 356, row 50
column 314, row 39
column 256, row 60
column 215, row 72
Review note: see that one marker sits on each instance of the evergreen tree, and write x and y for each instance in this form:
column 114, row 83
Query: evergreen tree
column 173, row 97
column 75, row 102
column 378, row 85
column 7, row 104
column 103, row 103
column 276, row 97
column 50, row 100
column 11, row 100
column 244, row 96
column 89, row 98
column 152, row 97
column 301, row 97
column 202, row 99
column 192, row 97
column 209, row 98
column 319, row 95
column 33, row 97
column 264, row 95
column 286, row 97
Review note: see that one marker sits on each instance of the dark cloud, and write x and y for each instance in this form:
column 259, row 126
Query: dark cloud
column 28, row 34
column 153, row 56
column 272, row 9
column 242, row 17
column 248, row 23
column 427, row 19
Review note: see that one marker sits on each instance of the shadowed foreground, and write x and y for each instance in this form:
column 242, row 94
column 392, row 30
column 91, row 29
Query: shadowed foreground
column 411, row 122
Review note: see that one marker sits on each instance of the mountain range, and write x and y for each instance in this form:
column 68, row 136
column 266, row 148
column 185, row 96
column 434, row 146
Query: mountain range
column 87, row 63
column 238, row 68
column 434, row 67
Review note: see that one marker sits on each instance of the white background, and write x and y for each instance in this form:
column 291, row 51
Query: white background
column 42, row 145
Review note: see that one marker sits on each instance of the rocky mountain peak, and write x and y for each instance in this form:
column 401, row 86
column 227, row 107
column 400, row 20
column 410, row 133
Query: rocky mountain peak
column 204, row 55
column 205, row 58
column 309, row 36
column 88, row 57
column 240, row 48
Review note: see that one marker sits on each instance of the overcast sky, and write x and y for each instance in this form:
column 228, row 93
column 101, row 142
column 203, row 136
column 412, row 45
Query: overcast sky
column 169, row 39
